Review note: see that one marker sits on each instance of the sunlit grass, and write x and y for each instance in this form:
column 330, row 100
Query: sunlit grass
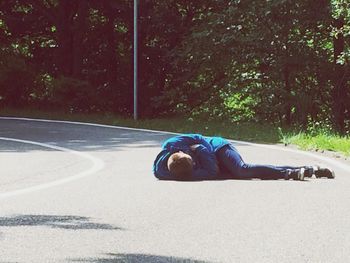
column 321, row 142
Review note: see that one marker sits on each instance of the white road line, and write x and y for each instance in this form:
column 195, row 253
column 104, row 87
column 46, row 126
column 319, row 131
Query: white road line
column 335, row 163
column 98, row 165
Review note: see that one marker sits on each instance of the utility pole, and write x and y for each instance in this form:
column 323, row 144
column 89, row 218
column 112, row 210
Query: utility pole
column 135, row 58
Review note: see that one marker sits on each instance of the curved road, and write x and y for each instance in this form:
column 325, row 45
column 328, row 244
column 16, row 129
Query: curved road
column 85, row 193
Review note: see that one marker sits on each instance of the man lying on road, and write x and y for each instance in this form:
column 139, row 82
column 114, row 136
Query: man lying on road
column 196, row 157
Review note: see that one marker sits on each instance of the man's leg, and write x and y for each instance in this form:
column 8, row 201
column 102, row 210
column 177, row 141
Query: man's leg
column 232, row 162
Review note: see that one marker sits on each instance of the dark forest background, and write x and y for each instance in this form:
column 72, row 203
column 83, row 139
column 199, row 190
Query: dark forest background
column 271, row 61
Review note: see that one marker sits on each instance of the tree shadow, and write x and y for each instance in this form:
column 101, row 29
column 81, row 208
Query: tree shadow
column 79, row 137
column 139, row 258
column 55, row 221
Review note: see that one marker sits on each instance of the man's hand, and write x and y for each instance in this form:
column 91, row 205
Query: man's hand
column 194, row 147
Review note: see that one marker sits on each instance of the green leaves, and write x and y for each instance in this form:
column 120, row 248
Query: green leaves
column 261, row 60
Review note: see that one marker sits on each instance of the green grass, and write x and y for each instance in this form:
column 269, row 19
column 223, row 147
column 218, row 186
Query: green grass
column 251, row 132
column 330, row 142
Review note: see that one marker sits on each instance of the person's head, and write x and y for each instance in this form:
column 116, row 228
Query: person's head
column 180, row 165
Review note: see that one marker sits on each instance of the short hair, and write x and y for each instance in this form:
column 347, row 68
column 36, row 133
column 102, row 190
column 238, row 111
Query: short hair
column 180, row 165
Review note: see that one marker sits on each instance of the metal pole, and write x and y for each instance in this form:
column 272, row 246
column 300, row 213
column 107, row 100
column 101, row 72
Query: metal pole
column 135, row 58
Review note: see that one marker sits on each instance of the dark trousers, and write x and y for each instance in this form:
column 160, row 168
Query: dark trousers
column 232, row 166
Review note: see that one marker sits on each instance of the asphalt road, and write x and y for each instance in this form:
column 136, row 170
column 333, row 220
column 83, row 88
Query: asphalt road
column 84, row 193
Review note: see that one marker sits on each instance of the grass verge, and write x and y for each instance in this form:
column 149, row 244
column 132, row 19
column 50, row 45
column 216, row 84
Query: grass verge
column 329, row 142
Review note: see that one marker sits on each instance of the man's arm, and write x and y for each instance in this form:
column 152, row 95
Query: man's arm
column 184, row 141
column 208, row 168
column 160, row 169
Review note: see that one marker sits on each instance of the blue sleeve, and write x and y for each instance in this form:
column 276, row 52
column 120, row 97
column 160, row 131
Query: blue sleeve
column 208, row 168
column 183, row 142
column 160, row 168
column 163, row 174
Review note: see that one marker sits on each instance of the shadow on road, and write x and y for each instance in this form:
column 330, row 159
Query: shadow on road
column 55, row 221
column 75, row 136
column 139, row 258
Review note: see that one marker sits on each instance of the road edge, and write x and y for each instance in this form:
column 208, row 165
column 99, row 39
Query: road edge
column 329, row 160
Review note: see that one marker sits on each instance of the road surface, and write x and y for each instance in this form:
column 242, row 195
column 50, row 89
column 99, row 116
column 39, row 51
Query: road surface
column 71, row 192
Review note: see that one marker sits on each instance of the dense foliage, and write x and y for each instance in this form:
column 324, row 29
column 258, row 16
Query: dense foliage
column 275, row 61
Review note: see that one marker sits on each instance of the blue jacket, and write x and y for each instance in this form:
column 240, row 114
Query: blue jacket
column 205, row 167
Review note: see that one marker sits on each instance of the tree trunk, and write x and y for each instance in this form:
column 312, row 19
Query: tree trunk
column 63, row 58
column 70, row 34
column 78, row 38
column 288, row 107
column 339, row 89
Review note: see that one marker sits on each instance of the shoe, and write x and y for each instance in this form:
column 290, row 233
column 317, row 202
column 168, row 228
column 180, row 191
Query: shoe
column 324, row 172
column 296, row 174
column 309, row 171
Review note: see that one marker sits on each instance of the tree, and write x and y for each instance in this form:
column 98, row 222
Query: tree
column 73, row 41
column 280, row 62
column 260, row 49
column 340, row 94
